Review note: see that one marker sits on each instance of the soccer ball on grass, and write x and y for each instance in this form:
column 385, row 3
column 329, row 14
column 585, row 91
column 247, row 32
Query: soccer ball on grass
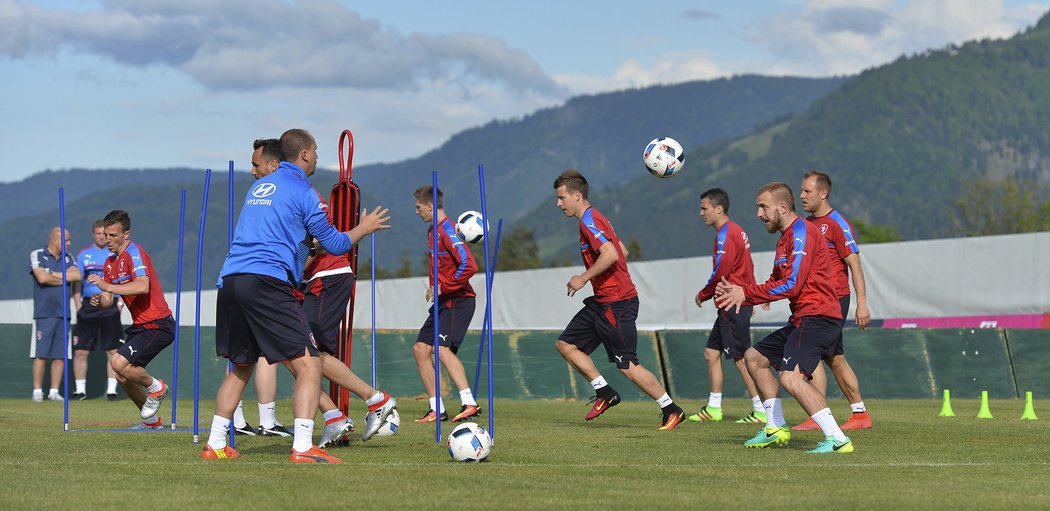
column 469, row 442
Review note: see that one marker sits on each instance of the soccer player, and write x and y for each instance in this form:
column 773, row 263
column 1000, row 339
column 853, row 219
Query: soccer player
column 46, row 267
column 129, row 272
column 608, row 317
column 266, row 157
column 801, row 274
column 455, row 308
column 838, row 231
column 731, row 333
column 257, row 312
column 95, row 326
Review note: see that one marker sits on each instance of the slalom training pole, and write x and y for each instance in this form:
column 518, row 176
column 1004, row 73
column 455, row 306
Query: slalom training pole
column 372, row 238
column 65, row 310
column 434, row 309
column 229, row 245
column 489, row 271
column 197, row 318
column 178, row 308
column 485, row 325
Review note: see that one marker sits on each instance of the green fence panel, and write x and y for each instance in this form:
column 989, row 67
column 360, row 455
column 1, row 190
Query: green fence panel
column 889, row 364
column 967, row 361
column 682, row 352
column 1030, row 354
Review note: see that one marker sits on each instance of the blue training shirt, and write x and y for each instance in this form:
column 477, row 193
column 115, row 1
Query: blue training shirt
column 279, row 210
column 91, row 261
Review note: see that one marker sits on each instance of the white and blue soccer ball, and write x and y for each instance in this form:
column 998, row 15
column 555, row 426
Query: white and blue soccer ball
column 664, row 157
column 469, row 442
column 393, row 422
column 470, row 228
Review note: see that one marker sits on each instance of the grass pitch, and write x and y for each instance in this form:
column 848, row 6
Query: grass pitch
column 545, row 457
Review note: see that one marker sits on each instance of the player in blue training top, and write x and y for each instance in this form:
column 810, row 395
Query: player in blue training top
column 96, row 327
column 257, row 311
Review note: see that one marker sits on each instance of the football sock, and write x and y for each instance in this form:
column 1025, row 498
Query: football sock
column 375, row 399
column 111, row 386
column 434, row 404
column 715, row 400
column 599, row 382
column 827, row 424
column 154, row 387
column 304, row 435
column 332, row 415
column 664, row 401
column 858, row 407
column 467, row 397
column 774, row 412
column 756, row 404
column 238, row 416
column 220, row 426
column 81, row 385
column 267, row 415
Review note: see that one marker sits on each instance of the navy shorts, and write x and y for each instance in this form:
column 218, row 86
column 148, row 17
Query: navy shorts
column 837, row 348
column 257, row 315
column 802, row 346
column 732, row 333
column 454, row 315
column 96, row 330
column 324, row 310
column 47, row 342
column 611, row 324
column 147, row 340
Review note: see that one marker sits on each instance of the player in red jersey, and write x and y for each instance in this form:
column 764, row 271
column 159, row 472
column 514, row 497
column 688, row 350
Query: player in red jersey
column 836, row 228
column 731, row 333
column 455, row 309
column 608, row 317
column 801, row 274
column 129, row 273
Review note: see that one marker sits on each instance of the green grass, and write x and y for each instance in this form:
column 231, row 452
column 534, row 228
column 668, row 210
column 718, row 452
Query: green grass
column 545, row 456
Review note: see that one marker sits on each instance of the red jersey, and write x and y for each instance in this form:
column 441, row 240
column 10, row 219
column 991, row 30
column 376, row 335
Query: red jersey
column 455, row 262
column 129, row 265
column 839, row 234
column 325, row 264
column 730, row 258
column 801, row 273
column 614, row 284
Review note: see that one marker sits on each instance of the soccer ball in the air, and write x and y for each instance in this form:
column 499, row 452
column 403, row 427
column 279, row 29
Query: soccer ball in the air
column 469, row 442
column 663, row 157
column 469, row 227
column 393, row 422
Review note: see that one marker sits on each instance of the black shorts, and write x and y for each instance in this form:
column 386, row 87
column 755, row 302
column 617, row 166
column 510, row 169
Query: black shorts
column 324, row 310
column 837, row 349
column 260, row 315
column 96, row 330
column 732, row 333
column 454, row 315
column 145, row 341
column 611, row 324
column 802, row 346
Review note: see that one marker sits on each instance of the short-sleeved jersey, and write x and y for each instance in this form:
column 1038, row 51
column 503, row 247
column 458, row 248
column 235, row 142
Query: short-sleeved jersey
column 730, row 258
column 279, row 210
column 614, row 284
column 455, row 261
column 839, row 233
column 91, row 261
column 325, row 264
column 130, row 264
column 801, row 273
column 47, row 300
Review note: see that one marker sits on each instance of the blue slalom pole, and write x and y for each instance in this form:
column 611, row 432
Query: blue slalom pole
column 437, row 348
column 65, row 309
column 197, row 319
column 488, row 284
column 372, row 238
column 229, row 245
column 489, row 270
column 178, row 309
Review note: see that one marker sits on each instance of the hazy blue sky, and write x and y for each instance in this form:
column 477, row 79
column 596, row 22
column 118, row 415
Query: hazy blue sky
column 161, row 83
